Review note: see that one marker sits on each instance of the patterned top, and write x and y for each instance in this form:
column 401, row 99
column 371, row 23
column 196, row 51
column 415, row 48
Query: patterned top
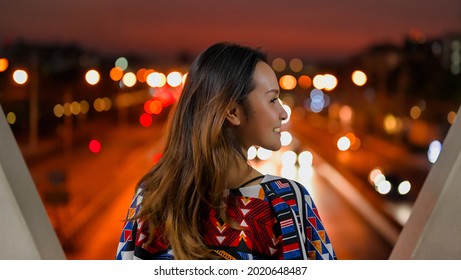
column 278, row 218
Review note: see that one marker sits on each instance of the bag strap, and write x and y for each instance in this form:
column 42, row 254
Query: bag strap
column 287, row 206
column 304, row 236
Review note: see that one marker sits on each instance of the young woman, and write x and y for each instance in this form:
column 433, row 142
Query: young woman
column 203, row 200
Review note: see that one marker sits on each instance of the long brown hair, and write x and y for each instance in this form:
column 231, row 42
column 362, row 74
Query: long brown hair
column 191, row 176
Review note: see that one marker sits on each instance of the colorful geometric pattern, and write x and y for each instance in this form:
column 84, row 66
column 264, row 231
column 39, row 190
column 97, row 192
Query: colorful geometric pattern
column 259, row 236
column 270, row 226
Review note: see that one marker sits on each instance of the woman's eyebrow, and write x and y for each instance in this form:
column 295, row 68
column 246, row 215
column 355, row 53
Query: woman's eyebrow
column 273, row 90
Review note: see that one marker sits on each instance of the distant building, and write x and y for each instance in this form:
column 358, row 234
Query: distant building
column 451, row 54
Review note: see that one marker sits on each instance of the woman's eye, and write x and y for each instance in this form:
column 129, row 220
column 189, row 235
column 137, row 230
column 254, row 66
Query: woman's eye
column 273, row 100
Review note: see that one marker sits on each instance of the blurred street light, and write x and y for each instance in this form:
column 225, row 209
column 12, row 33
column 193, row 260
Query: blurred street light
column 279, row 64
column 20, row 76
column 92, row 77
column 3, row 64
column 304, row 81
column 122, row 63
column 174, row 79
column 296, row 65
column 327, row 82
column 129, row 79
column 156, row 79
column 287, row 82
column 116, row 74
column 359, row 78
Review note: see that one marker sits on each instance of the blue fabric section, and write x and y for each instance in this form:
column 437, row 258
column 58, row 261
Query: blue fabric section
column 280, row 207
column 292, row 255
column 288, row 230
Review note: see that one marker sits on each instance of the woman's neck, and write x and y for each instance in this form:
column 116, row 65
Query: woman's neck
column 239, row 173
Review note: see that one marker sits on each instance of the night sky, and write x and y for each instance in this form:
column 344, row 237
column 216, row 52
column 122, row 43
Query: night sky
column 288, row 28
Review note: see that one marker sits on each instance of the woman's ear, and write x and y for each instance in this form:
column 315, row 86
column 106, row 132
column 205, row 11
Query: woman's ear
column 234, row 114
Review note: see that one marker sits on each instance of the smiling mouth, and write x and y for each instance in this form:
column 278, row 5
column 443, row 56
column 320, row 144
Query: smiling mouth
column 276, row 129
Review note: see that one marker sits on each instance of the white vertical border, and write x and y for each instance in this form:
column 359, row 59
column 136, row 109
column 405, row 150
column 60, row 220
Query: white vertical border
column 18, row 181
column 434, row 226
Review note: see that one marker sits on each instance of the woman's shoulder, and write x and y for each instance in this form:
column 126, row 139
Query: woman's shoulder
column 137, row 197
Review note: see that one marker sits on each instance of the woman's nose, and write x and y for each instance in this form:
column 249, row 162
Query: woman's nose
column 283, row 114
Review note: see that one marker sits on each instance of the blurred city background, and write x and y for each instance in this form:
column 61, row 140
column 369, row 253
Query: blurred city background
column 366, row 121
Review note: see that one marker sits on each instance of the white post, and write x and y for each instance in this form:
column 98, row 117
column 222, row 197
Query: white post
column 434, row 226
column 25, row 230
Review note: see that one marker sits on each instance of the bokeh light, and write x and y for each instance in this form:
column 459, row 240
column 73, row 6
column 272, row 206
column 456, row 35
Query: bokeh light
column 58, row 110
column 145, row 120
column 415, row 112
column 129, row 79
column 153, row 106
column 3, row 64
column 279, row 64
column 287, row 82
column 451, row 117
column 329, row 82
column 174, row 79
column 343, row 143
column 434, row 151
column 380, row 177
column 404, row 187
column 92, row 77
column 384, row 187
column 102, row 104
column 392, row 124
column 296, row 65
column 263, row 154
column 20, row 76
column 94, row 146
column 251, row 153
column 286, row 138
column 305, row 158
column 140, row 75
column 359, row 78
column 84, row 106
column 75, row 108
column 345, row 114
column 317, row 100
column 116, row 74
column 67, row 111
column 373, row 175
column 289, row 158
column 11, row 118
column 156, row 79
column 317, row 81
column 122, row 63
column 304, row 81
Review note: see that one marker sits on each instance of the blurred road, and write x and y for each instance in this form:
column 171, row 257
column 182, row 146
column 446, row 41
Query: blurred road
column 395, row 159
column 100, row 188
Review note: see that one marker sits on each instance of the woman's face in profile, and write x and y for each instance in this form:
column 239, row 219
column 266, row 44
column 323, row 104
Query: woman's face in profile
column 262, row 126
